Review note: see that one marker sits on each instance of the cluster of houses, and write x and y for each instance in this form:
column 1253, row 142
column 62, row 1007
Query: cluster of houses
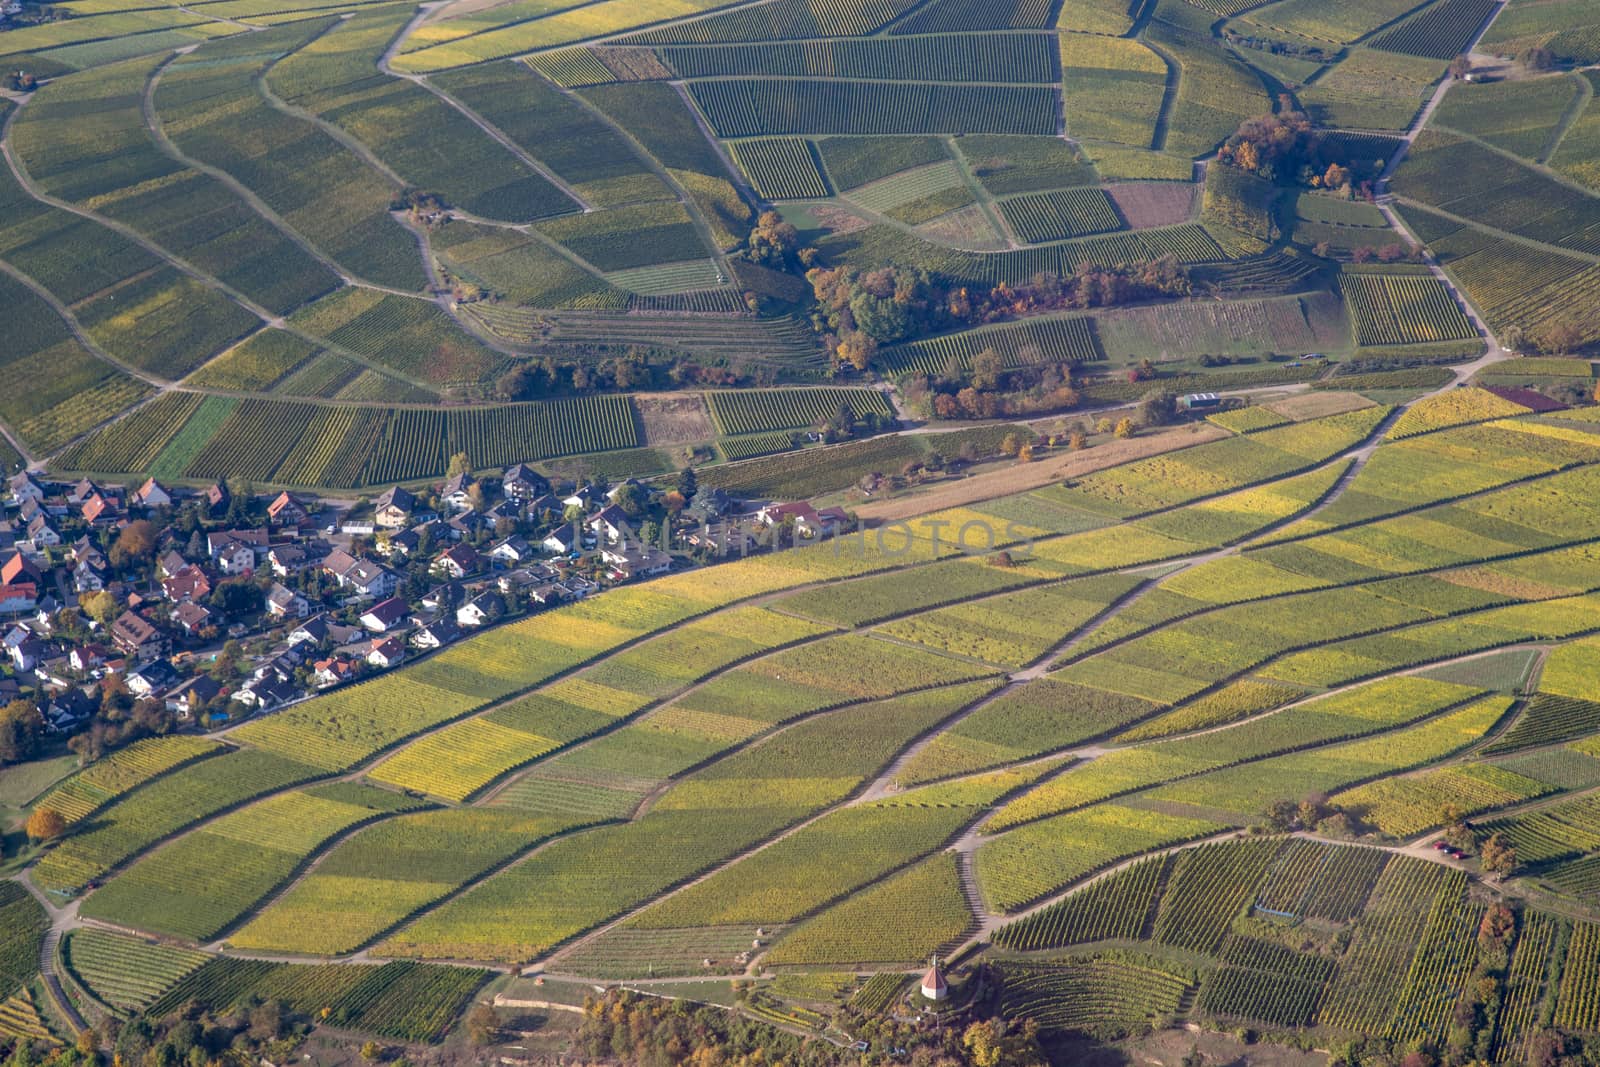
column 301, row 597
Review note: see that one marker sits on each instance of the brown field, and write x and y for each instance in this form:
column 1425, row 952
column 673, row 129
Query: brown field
column 674, row 418
column 966, row 227
column 1021, row 477
column 1317, row 404
column 1147, row 204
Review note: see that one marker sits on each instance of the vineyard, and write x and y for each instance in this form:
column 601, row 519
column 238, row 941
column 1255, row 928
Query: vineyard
column 782, row 168
column 1170, row 748
column 290, row 443
column 1053, row 340
column 791, row 409
column 1059, row 215
column 1404, row 309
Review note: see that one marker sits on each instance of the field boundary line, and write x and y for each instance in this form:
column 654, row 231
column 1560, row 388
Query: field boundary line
column 361, row 954
column 857, row 797
column 1575, row 108
column 1169, row 95
column 986, row 201
column 1290, row 749
column 1541, row 169
column 25, row 179
column 157, row 130
column 501, row 136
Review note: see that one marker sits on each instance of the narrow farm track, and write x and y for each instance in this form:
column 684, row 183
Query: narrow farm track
column 157, row 131
column 498, row 135
column 153, row 125
column 78, row 332
column 61, row 919
column 660, row 171
column 1580, row 103
column 28, row 185
column 1385, row 204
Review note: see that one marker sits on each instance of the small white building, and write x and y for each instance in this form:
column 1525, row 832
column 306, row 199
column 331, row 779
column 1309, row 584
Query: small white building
column 933, row 984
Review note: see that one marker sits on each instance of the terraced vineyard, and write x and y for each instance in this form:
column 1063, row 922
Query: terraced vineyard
column 1167, row 747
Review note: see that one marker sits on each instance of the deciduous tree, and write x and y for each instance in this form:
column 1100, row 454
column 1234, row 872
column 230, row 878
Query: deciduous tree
column 46, row 824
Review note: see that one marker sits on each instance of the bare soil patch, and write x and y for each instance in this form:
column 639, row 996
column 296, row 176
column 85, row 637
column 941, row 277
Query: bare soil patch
column 1024, row 476
column 966, row 227
column 1147, row 204
column 838, row 220
column 674, row 418
column 1315, row 404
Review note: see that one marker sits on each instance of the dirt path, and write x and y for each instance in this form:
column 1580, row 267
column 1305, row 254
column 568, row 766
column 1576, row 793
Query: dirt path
column 28, row 185
column 1386, row 206
column 500, row 136
column 154, row 126
column 1024, row 476
column 62, row 919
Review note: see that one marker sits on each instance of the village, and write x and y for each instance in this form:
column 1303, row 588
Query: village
column 131, row 612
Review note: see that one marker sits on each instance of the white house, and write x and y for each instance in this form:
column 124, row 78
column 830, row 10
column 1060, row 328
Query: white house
column 478, row 610
column 385, row 615
column 152, row 494
column 562, row 541
column 285, row 603
column 389, row 652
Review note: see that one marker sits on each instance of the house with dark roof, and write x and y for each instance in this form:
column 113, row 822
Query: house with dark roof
column 522, row 482
column 151, row 679
column 480, row 609
column 292, row 559
column 41, row 534
column 385, row 615
column 392, row 510
column 458, row 561
column 138, row 636
column 609, row 525
column 191, row 618
column 188, row 697
column 236, row 551
column 436, row 634
column 285, row 603
column 456, row 493
column 627, row 562
column 389, row 652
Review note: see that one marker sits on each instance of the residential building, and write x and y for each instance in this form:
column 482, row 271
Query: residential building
column 25, row 485
column 151, row 679
column 609, row 525
column 458, row 561
column 285, row 603
column 152, row 494
column 285, row 510
column 188, row 584
column 188, row 697
column 435, row 634
column 522, row 482
column 513, row 549
column 191, row 618
column 389, row 652
column 41, row 534
column 385, row 615
column 456, row 493
column 627, row 562
column 392, row 510
column 138, row 636
column 335, row 670
column 480, row 609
